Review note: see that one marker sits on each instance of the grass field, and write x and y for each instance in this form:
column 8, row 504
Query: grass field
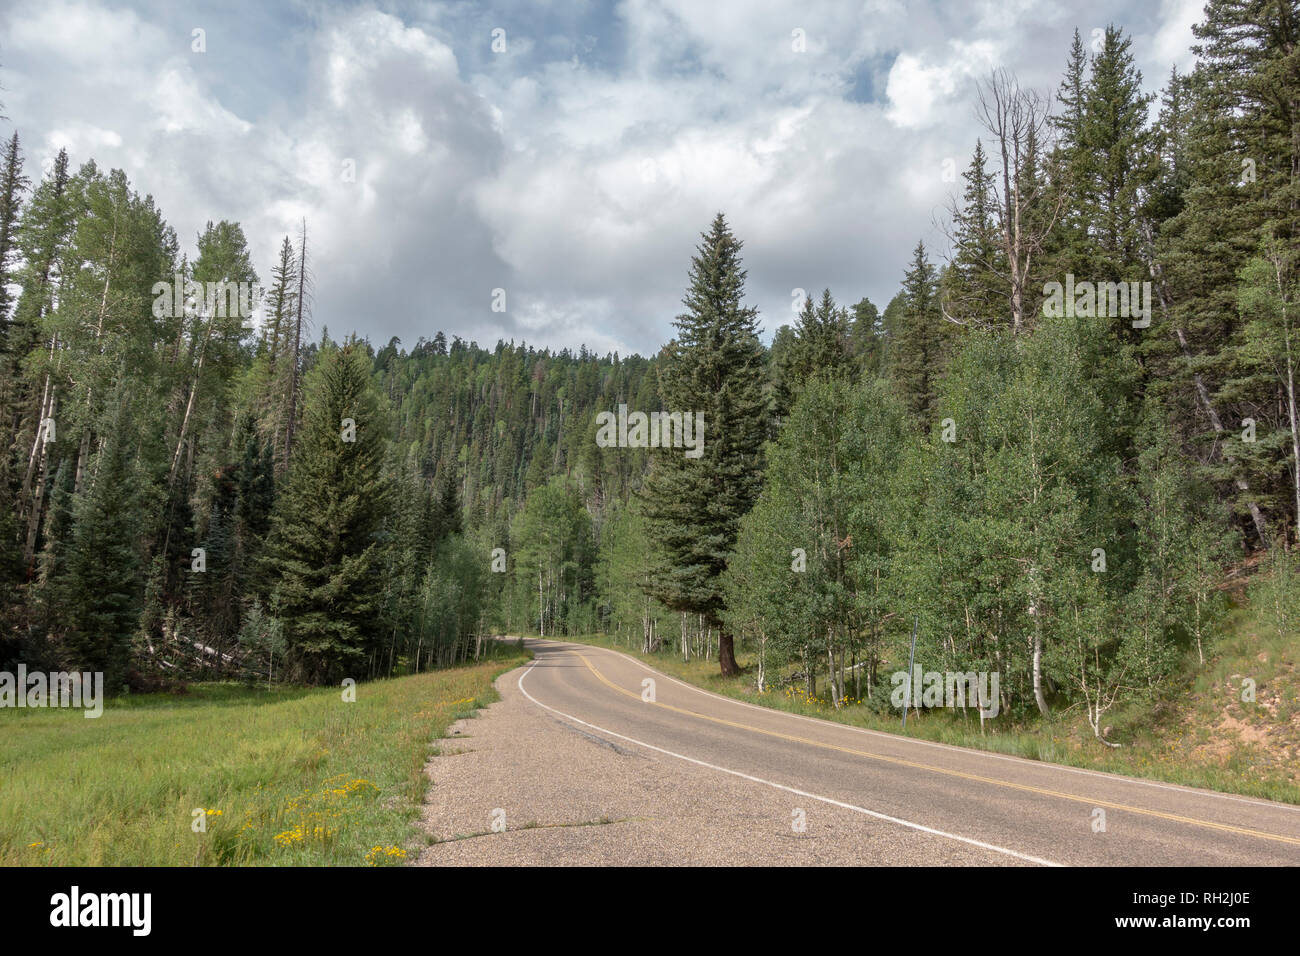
column 280, row 776
column 1198, row 733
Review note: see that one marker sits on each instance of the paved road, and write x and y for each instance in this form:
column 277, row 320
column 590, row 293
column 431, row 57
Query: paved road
column 694, row 777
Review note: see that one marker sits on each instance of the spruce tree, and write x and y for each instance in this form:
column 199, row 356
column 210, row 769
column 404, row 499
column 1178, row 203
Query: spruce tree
column 98, row 585
column 1169, row 141
column 714, row 368
column 12, row 186
column 974, row 290
column 783, row 358
column 866, row 338
column 1240, row 150
column 1116, row 180
column 918, row 348
column 323, row 556
column 1066, row 249
column 278, row 342
column 822, row 340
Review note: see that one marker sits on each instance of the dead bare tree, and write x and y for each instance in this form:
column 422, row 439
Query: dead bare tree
column 1025, row 208
column 302, row 315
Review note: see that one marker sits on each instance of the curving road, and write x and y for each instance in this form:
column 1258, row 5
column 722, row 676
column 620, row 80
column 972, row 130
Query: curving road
column 720, row 780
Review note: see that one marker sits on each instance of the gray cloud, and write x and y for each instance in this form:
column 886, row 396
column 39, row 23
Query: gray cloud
column 575, row 170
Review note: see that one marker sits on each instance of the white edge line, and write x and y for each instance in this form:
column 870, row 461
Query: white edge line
column 1118, row 777
column 780, row 786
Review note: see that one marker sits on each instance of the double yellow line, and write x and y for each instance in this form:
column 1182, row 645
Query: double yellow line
column 1088, row 801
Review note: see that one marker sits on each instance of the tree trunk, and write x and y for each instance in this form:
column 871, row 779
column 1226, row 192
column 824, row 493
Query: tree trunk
column 727, row 653
column 836, row 693
column 189, row 404
column 1038, row 670
column 47, row 400
column 1291, row 405
column 292, row 417
column 37, row 506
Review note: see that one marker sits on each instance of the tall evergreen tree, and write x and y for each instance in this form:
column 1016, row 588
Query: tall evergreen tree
column 714, row 368
column 1067, row 246
column 823, row 340
column 1116, row 169
column 323, row 556
column 918, row 351
column 278, row 342
column 12, row 186
column 98, row 586
column 974, row 288
column 1241, row 148
column 866, row 338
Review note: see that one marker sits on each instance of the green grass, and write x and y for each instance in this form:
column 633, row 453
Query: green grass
column 286, row 776
column 1180, row 738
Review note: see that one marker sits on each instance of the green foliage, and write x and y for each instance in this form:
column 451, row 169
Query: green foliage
column 1229, row 125
column 1051, row 499
column 553, row 554
column 715, row 368
column 97, row 587
column 806, row 577
column 624, row 578
column 918, row 356
column 323, row 556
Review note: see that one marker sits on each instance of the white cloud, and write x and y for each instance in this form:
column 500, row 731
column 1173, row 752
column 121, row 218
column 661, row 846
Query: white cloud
column 1171, row 45
column 920, row 94
column 575, row 171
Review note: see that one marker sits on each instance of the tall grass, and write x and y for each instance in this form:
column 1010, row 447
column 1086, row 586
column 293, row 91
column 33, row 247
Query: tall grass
column 280, row 776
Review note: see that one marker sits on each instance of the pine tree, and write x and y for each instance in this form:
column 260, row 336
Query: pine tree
column 323, row 555
column 295, row 357
column 447, row 512
column 783, row 357
column 1115, row 181
column 866, row 337
column 1068, row 245
column 822, row 340
column 98, row 585
column 1169, row 141
column 714, row 368
column 974, row 289
column 918, row 351
column 12, row 186
column 1068, row 123
column 1240, row 149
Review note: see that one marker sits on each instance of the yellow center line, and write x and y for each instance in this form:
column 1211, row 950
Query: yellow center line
column 954, row 773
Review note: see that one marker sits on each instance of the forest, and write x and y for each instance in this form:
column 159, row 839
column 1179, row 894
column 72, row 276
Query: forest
column 1035, row 475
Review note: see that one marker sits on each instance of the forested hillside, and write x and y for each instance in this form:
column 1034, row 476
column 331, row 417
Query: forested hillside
column 1042, row 456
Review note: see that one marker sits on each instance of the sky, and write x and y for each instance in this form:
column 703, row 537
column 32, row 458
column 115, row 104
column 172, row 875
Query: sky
column 566, row 153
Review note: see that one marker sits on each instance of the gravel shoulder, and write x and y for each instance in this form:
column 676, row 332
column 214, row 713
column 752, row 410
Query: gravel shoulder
column 571, row 796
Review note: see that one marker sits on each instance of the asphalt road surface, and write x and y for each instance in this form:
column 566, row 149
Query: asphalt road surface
column 575, row 765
